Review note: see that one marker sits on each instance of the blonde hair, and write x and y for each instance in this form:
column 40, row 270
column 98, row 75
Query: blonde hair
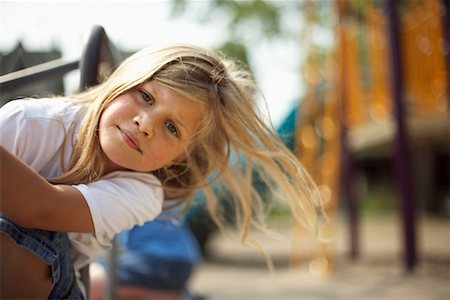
column 231, row 126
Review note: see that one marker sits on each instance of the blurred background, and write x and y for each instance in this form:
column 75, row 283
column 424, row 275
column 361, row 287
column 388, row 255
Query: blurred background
column 359, row 90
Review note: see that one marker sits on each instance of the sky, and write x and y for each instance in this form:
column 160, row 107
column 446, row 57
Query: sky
column 131, row 25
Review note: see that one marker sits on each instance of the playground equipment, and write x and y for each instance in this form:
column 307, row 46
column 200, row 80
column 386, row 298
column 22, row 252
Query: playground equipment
column 383, row 87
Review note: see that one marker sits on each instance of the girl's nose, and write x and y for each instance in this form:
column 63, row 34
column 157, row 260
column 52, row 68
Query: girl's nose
column 146, row 125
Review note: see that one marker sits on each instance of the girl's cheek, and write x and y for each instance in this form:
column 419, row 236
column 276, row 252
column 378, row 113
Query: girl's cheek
column 174, row 155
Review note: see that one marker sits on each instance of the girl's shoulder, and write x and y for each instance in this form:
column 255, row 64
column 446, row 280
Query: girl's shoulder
column 42, row 108
column 35, row 130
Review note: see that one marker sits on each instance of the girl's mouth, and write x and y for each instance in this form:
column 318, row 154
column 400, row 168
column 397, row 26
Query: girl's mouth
column 130, row 139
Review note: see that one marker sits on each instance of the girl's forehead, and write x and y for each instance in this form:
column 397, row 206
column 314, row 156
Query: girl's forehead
column 189, row 92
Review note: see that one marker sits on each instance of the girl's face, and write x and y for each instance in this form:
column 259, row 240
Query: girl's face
column 147, row 128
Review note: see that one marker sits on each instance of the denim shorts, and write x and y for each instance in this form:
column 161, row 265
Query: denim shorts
column 51, row 247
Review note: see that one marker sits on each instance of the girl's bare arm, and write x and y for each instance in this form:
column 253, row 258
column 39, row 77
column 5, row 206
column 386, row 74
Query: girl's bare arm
column 31, row 201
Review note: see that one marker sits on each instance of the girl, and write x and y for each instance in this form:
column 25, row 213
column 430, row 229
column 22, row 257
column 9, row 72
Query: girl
column 163, row 125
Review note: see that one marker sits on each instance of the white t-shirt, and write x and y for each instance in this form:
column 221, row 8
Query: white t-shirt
column 34, row 130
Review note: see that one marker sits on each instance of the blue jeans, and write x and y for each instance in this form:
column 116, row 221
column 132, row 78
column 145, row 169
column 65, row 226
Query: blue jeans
column 53, row 248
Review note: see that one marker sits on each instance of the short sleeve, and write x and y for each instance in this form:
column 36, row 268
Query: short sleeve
column 121, row 200
column 12, row 127
column 30, row 130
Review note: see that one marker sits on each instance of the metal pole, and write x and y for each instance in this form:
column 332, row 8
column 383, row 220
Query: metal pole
column 402, row 154
column 446, row 36
column 112, row 275
column 347, row 159
column 40, row 72
column 348, row 169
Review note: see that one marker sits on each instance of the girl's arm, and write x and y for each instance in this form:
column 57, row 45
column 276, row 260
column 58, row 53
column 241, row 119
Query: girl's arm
column 30, row 201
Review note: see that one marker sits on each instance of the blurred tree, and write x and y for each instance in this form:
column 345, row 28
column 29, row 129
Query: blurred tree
column 247, row 22
column 266, row 13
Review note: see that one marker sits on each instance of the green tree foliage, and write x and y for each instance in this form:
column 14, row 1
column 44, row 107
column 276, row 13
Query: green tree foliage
column 247, row 22
column 266, row 13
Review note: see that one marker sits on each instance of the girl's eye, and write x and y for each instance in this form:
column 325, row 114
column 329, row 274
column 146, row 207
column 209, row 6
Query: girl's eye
column 146, row 97
column 172, row 128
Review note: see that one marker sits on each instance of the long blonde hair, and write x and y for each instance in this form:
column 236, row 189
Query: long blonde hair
column 231, row 126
